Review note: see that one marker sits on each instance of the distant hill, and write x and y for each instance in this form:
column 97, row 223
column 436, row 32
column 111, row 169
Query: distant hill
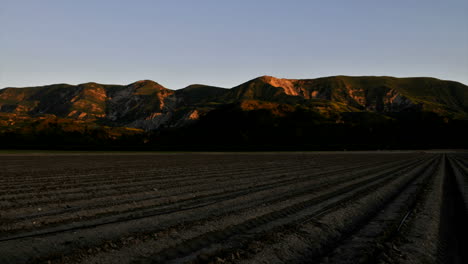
column 146, row 110
column 373, row 94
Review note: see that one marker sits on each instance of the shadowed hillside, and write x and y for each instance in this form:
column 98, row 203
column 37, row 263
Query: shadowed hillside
column 266, row 112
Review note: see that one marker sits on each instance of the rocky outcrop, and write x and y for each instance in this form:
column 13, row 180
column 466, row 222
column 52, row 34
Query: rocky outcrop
column 148, row 105
column 288, row 85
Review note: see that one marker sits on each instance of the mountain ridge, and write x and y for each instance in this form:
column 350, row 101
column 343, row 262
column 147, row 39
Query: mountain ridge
column 148, row 105
column 262, row 76
column 351, row 90
column 328, row 112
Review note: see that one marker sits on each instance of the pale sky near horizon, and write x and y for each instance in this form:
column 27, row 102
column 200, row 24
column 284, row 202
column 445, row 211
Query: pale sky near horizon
column 224, row 43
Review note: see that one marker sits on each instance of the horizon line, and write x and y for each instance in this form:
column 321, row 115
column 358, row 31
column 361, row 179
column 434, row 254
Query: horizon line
column 329, row 76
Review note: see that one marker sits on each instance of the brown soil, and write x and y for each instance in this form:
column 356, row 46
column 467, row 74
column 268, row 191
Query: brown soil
column 234, row 208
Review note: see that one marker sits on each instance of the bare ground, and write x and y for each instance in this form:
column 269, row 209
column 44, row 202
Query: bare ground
column 369, row 207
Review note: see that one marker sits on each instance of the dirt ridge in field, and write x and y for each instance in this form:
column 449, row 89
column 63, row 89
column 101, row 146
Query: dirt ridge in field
column 233, row 208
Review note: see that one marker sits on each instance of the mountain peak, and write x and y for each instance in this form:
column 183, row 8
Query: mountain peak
column 89, row 84
column 288, row 85
column 195, row 86
column 147, row 86
column 145, row 82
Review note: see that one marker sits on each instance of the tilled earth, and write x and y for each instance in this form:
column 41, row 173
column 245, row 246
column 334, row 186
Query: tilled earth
column 369, row 207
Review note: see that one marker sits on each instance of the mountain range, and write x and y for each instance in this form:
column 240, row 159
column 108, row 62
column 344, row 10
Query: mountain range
column 148, row 108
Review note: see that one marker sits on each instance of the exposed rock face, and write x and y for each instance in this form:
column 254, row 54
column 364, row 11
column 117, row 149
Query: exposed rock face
column 143, row 104
column 148, row 105
column 288, row 85
column 188, row 117
column 395, row 102
column 89, row 103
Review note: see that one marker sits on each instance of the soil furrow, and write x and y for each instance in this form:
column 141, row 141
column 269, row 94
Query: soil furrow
column 313, row 237
column 323, row 203
column 191, row 202
column 341, row 207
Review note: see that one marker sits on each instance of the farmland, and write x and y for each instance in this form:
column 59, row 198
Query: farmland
column 363, row 207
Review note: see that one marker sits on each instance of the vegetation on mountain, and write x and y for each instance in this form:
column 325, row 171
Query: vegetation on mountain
column 338, row 112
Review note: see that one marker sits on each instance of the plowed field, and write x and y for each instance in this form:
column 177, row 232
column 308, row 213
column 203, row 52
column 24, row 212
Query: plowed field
column 369, row 207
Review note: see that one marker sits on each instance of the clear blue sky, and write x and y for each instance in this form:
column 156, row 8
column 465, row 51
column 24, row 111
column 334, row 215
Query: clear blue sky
column 227, row 42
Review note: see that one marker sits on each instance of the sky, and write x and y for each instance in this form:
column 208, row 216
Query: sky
column 225, row 43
